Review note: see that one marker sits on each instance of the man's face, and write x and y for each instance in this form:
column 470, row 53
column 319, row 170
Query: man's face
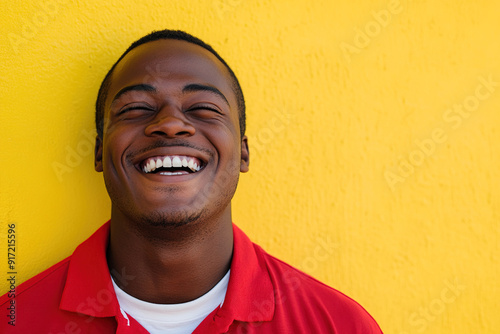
column 171, row 104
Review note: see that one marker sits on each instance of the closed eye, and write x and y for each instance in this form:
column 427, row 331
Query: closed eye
column 138, row 108
column 205, row 108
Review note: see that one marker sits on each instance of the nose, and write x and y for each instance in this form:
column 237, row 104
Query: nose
column 170, row 122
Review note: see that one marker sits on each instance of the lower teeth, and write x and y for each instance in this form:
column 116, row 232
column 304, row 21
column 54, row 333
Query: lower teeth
column 170, row 173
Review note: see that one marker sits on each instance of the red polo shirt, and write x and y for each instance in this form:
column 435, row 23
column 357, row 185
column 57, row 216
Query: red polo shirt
column 264, row 295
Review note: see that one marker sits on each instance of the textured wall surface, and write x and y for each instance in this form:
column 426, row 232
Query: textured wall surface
column 374, row 130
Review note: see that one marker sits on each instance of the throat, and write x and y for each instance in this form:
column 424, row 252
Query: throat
column 172, row 271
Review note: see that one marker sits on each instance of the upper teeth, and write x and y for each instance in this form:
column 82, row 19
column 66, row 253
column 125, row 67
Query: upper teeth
column 151, row 164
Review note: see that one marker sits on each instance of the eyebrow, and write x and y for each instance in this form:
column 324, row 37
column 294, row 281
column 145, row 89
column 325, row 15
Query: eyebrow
column 199, row 87
column 136, row 88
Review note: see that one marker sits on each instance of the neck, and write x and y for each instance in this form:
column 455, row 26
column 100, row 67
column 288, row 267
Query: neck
column 171, row 265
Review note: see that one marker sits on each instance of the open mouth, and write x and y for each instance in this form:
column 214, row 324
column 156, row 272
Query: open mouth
column 171, row 165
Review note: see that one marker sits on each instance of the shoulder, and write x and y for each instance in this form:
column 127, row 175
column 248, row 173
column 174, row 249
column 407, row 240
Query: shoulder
column 300, row 294
column 37, row 299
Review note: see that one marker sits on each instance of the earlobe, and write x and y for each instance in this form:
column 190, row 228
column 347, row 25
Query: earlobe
column 245, row 155
column 98, row 154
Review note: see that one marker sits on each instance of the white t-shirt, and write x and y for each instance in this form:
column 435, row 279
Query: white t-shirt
column 172, row 318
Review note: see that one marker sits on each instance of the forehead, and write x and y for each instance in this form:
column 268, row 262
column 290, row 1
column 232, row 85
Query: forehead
column 171, row 63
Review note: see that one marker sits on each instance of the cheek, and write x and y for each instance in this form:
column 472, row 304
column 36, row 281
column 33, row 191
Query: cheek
column 226, row 140
column 114, row 147
column 230, row 157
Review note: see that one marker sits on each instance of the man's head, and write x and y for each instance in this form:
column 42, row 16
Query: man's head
column 170, row 139
column 167, row 34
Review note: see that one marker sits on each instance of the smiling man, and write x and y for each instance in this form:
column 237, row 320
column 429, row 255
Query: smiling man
column 170, row 118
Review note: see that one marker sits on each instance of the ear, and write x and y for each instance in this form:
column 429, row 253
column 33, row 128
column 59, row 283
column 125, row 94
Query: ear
column 98, row 154
column 245, row 155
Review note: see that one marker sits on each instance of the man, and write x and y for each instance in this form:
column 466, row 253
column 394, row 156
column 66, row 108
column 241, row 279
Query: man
column 170, row 118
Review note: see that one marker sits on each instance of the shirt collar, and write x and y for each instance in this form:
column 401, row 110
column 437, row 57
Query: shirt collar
column 89, row 290
column 250, row 294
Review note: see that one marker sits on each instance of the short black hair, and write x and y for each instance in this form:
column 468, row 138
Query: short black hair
column 154, row 36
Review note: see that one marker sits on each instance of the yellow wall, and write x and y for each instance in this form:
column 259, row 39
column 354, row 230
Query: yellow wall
column 374, row 138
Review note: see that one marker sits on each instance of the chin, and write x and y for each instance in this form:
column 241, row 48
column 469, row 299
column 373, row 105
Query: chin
column 177, row 218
